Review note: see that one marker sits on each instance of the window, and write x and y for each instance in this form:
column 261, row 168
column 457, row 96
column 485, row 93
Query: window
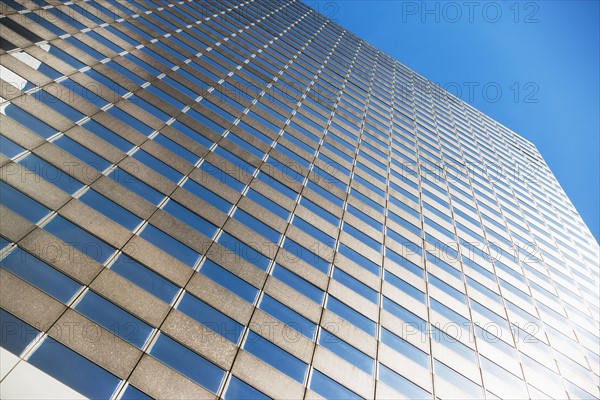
column 401, row 384
column 328, row 388
column 110, row 209
column 288, row 316
column 80, row 239
column 190, row 218
column 170, row 245
column 136, row 185
column 244, row 251
column 145, row 278
column 275, row 356
column 21, row 203
column 228, row 280
column 346, row 351
column 188, row 363
column 355, row 285
column 74, row 370
column 291, row 279
column 40, row 275
column 114, row 319
column 15, row 335
column 210, row 317
column 351, row 315
column 239, row 390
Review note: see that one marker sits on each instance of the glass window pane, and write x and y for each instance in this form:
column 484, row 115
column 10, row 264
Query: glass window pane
column 188, row 363
column 74, row 370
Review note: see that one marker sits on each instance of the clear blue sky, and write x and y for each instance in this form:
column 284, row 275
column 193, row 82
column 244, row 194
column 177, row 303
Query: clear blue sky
column 542, row 55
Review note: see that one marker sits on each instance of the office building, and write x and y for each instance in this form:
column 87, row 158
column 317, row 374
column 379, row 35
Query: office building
column 244, row 200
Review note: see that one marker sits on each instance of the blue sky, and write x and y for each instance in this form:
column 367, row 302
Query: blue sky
column 533, row 66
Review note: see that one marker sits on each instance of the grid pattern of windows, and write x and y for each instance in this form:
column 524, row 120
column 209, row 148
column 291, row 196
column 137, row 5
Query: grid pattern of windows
column 243, row 199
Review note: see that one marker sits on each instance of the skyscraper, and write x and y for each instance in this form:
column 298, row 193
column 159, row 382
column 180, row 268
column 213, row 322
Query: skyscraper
column 245, row 200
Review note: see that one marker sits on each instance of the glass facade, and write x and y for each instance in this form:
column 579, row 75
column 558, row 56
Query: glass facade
column 244, row 200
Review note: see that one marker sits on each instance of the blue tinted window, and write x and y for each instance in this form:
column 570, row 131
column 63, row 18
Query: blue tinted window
column 275, row 184
column 239, row 390
column 50, row 173
column 346, row 351
column 325, row 193
column 73, row 370
column 158, row 166
column 151, row 109
column 107, row 135
column 288, row 317
column 351, row 315
column 452, row 270
column 450, row 314
column 229, row 281
column 29, row 121
column 219, row 174
column 80, row 239
column 170, row 245
column 403, row 347
column 255, row 224
column 405, row 315
column 432, row 279
column 401, row 384
column 207, row 195
column 21, row 204
column 40, row 275
column 210, row 317
column 144, row 278
column 318, row 210
column 364, row 217
column 176, row 148
column 362, row 237
column 15, row 335
column 301, row 285
column 190, row 218
column 110, row 209
column 296, row 250
column 192, row 134
column 90, row 93
column 9, row 148
column 58, row 105
column 355, row 285
column 130, row 120
column 404, row 263
column 268, row 204
column 404, row 286
column 330, row 389
column 359, row 259
column 244, row 251
column 313, row 231
column 114, row 319
column 275, row 356
column 392, row 234
column 131, row 393
column 135, row 185
column 188, row 363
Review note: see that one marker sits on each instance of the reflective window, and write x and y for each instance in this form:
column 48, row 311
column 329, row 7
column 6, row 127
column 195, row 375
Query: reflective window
column 83, row 241
column 328, row 388
column 74, row 370
column 21, row 203
column 114, row 319
column 170, row 245
column 210, row 317
column 229, row 281
column 188, row 363
column 346, row 351
column 144, row 278
column 275, row 356
column 239, row 390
